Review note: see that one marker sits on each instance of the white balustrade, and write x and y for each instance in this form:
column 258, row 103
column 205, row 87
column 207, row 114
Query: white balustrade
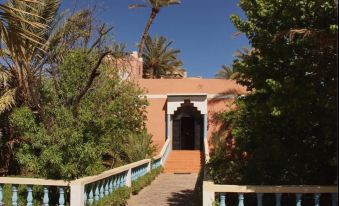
column 87, row 190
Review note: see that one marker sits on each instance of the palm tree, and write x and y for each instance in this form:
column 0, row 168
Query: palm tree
column 12, row 38
column 155, row 6
column 25, row 27
column 159, row 59
column 226, row 72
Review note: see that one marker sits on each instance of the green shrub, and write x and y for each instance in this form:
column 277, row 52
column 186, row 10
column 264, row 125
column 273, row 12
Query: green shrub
column 120, row 196
column 285, row 127
column 104, row 130
column 117, row 198
column 146, row 180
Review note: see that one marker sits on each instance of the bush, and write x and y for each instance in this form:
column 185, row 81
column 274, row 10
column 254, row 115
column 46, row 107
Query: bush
column 145, row 180
column 285, row 127
column 120, row 196
column 104, row 130
column 117, row 198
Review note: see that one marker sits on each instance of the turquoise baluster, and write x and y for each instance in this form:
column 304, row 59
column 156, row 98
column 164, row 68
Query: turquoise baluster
column 90, row 194
column 298, row 199
column 29, row 195
column 316, row 199
column 278, row 199
column 222, row 199
column 139, row 169
column 96, row 192
column 121, row 180
column 125, row 178
column 102, row 193
column 110, row 187
column 45, row 200
column 259, row 199
column 85, row 197
column 106, row 192
column 15, row 195
column 61, row 196
column 334, row 199
column 115, row 182
column 241, row 199
column 1, row 197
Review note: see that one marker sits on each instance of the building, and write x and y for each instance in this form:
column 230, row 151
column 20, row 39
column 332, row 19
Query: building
column 183, row 110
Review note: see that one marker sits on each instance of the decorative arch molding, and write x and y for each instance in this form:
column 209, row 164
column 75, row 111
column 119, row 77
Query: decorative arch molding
column 175, row 101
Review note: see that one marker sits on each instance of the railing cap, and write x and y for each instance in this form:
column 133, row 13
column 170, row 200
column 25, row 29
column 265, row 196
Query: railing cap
column 210, row 186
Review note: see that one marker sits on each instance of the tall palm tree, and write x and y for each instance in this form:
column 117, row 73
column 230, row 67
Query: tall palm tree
column 159, row 59
column 226, row 72
column 25, row 27
column 12, row 37
column 155, row 6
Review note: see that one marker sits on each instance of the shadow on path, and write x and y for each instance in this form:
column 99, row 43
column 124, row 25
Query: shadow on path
column 188, row 197
column 182, row 198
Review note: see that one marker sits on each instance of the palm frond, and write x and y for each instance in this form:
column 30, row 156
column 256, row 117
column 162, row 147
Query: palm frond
column 159, row 59
column 135, row 6
column 7, row 100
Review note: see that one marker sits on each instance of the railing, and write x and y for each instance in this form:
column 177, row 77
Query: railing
column 87, row 190
column 212, row 190
column 30, row 182
column 214, row 194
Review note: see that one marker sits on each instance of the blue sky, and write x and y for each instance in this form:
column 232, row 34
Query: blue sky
column 201, row 29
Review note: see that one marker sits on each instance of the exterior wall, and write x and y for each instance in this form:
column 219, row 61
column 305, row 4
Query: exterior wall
column 219, row 94
column 156, row 121
column 130, row 67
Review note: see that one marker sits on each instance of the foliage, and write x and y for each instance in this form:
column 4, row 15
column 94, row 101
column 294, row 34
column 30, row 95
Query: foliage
column 12, row 37
column 226, row 72
column 145, row 180
column 159, row 59
column 90, row 139
column 287, row 123
column 120, row 196
column 226, row 163
column 22, row 64
column 22, row 194
column 62, row 106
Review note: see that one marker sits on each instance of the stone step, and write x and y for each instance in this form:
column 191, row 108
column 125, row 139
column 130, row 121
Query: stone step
column 183, row 161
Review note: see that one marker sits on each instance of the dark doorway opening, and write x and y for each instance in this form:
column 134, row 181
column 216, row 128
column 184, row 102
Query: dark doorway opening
column 187, row 133
column 187, row 128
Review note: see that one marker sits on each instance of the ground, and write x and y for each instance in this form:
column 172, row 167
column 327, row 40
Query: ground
column 169, row 190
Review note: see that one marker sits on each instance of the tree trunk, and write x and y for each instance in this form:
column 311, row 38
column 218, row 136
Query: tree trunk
column 148, row 73
column 145, row 34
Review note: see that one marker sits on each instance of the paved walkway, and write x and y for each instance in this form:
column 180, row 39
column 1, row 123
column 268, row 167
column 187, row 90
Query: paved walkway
column 168, row 190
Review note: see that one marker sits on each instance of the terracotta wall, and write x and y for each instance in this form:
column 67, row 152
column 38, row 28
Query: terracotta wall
column 157, row 89
column 156, row 122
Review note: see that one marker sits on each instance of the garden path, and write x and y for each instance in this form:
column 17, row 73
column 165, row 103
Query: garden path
column 169, row 189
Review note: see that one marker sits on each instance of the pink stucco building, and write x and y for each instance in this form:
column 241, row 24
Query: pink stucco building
column 182, row 112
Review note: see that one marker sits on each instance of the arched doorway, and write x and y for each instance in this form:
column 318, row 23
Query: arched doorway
column 187, row 127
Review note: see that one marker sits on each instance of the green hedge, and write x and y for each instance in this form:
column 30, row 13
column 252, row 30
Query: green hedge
column 146, row 180
column 120, row 196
